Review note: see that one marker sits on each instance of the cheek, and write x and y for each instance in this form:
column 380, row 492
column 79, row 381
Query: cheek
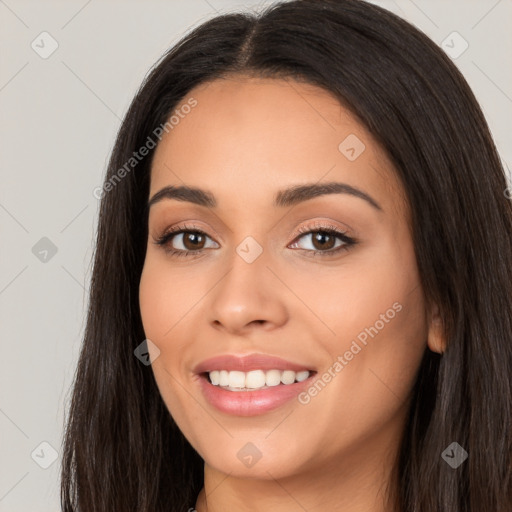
column 377, row 314
column 152, row 299
column 162, row 308
column 165, row 297
column 394, row 324
column 162, row 305
column 366, row 390
column 376, row 295
column 397, row 350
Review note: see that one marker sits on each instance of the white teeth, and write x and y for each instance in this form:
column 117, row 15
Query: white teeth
column 236, row 379
column 255, row 379
column 223, row 378
column 273, row 378
column 301, row 376
column 215, row 377
column 288, row 377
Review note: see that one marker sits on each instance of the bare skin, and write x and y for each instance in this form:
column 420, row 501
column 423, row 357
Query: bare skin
column 245, row 140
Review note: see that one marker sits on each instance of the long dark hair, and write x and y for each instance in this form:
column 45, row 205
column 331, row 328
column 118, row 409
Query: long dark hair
column 122, row 450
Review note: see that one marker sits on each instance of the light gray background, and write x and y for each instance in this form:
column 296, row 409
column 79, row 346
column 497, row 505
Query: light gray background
column 58, row 120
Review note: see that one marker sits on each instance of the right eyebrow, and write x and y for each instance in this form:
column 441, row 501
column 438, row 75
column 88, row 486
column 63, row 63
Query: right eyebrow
column 185, row 193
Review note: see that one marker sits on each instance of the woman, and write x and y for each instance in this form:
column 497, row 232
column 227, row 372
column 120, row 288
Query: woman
column 305, row 229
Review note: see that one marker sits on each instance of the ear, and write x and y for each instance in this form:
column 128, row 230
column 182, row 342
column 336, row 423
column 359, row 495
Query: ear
column 436, row 338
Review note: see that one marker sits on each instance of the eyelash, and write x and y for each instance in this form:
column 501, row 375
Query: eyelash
column 167, row 237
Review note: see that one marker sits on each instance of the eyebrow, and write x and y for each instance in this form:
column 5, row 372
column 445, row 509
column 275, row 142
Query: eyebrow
column 283, row 198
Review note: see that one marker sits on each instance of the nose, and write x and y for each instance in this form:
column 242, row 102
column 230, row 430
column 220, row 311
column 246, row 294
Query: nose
column 248, row 296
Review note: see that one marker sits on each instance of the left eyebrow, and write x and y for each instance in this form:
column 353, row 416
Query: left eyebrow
column 299, row 193
column 283, row 198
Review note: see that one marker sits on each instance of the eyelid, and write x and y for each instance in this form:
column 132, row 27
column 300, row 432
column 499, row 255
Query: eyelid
column 321, row 225
column 321, row 220
column 348, row 241
column 318, row 225
column 189, row 225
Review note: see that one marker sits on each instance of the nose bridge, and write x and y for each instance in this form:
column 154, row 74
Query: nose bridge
column 247, row 269
column 247, row 291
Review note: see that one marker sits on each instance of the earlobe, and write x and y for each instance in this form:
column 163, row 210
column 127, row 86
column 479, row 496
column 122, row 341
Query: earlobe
column 436, row 336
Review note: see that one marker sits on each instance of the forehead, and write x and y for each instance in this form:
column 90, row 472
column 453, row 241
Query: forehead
column 260, row 134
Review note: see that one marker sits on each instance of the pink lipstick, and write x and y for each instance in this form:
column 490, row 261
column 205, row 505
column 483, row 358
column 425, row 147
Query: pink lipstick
column 251, row 384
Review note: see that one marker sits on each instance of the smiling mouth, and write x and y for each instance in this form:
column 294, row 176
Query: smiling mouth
column 255, row 380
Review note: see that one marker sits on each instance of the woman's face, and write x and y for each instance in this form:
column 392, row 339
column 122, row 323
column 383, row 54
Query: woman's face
column 281, row 162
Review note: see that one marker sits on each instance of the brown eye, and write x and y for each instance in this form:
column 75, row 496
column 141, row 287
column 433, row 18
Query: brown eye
column 193, row 240
column 323, row 240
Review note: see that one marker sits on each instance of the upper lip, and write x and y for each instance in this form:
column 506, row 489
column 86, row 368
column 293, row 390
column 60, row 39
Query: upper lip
column 246, row 363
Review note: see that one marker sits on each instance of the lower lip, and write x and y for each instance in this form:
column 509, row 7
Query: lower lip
column 250, row 403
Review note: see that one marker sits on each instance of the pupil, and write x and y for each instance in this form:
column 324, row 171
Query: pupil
column 193, row 236
column 321, row 235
